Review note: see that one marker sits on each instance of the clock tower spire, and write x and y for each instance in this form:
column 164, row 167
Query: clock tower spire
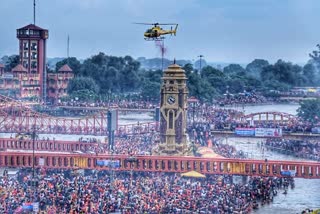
column 173, row 113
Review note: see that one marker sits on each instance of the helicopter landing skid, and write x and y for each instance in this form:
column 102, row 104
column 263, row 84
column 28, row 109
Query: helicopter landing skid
column 155, row 39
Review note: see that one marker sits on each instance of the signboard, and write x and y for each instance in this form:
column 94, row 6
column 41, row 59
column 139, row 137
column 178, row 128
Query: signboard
column 268, row 132
column 244, row 131
column 35, row 207
column 288, row 173
column 109, row 163
column 41, row 161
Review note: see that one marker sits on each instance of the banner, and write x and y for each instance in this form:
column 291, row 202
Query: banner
column 244, row 131
column 268, row 132
column 109, row 163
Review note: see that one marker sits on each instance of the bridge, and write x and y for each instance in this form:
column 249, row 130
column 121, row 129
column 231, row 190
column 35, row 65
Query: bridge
column 98, row 108
column 286, row 135
column 175, row 164
column 18, row 117
column 45, row 145
column 269, row 117
column 60, row 154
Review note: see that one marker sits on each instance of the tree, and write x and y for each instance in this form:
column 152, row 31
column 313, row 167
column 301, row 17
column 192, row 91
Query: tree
column 309, row 110
column 215, row 77
column 283, row 72
column 73, row 63
column 255, row 67
column 82, row 83
column 118, row 74
column 310, row 73
column 150, row 90
column 233, row 68
column 188, row 68
column 12, row 61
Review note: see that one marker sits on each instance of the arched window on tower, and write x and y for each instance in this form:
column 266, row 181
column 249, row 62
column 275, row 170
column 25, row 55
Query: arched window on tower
column 170, row 119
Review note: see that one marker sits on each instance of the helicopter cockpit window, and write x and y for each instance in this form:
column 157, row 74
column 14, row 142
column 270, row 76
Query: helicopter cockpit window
column 149, row 31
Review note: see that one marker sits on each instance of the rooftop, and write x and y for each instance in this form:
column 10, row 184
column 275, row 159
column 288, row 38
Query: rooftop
column 31, row 27
column 19, row 68
column 65, row 68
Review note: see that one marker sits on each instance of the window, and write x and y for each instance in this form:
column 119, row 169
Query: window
column 34, row 55
column 33, row 46
column 171, row 82
column 33, row 64
column 170, row 120
column 25, row 45
column 25, row 54
column 25, row 64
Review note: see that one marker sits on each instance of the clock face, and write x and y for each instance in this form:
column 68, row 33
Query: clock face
column 171, row 100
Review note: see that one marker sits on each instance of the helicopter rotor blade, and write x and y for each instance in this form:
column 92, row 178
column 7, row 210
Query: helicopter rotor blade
column 142, row 23
column 167, row 24
column 138, row 23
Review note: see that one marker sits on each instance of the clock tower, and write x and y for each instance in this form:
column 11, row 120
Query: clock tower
column 173, row 113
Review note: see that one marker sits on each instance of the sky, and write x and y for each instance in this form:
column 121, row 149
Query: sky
column 222, row 30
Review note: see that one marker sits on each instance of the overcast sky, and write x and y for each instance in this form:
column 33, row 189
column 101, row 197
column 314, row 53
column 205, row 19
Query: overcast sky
column 221, row 30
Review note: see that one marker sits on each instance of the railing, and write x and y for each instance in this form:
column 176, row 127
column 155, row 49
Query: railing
column 164, row 164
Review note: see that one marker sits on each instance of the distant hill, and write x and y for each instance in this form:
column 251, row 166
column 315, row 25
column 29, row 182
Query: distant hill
column 156, row 63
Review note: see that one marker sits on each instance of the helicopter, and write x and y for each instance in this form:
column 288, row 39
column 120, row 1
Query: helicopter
column 156, row 32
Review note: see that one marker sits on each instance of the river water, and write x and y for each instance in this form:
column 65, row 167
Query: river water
column 306, row 193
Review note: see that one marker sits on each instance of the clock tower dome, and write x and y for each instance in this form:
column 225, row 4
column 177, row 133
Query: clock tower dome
column 173, row 112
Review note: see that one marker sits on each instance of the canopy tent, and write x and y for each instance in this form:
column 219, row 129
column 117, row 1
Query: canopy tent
column 193, row 174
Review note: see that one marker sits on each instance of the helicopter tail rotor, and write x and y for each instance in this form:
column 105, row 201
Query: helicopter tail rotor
column 175, row 30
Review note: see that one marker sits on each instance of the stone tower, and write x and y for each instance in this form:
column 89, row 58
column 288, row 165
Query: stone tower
column 173, row 113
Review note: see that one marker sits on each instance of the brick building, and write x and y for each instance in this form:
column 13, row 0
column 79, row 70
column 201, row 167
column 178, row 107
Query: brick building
column 29, row 78
column 58, row 82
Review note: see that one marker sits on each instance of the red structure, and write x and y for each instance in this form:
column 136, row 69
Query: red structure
column 32, row 52
column 164, row 164
column 58, row 82
column 17, row 117
column 45, row 145
column 270, row 116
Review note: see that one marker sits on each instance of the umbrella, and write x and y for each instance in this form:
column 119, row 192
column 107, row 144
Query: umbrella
column 211, row 155
column 204, row 150
column 193, row 174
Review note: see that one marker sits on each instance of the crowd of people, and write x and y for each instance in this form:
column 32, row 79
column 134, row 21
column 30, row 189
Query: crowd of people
column 103, row 192
column 299, row 148
column 121, row 103
column 242, row 98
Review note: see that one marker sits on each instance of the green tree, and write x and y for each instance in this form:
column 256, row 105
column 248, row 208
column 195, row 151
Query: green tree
column 215, row 77
column 255, row 67
column 309, row 110
column 11, row 62
column 310, row 73
column 150, row 90
column 82, row 83
column 233, row 68
column 73, row 63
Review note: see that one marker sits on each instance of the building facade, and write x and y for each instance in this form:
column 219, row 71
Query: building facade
column 29, row 79
column 32, row 53
column 57, row 83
